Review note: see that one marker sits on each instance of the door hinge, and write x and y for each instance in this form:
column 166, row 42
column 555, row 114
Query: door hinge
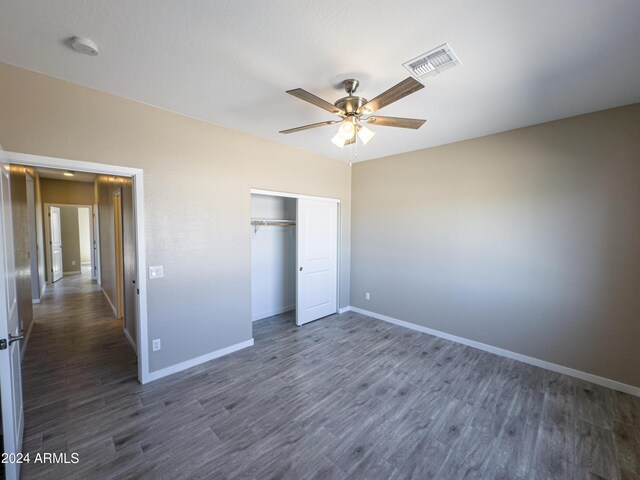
column 138, row 291
column 3, row 344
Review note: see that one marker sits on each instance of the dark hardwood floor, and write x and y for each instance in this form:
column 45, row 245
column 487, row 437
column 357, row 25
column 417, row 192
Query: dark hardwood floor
column 346, row 397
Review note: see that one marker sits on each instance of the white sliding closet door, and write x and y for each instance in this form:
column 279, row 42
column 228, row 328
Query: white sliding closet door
column 317, row 281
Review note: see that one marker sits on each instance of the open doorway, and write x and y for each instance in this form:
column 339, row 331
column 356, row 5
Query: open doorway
column 96, row 214
column 273, row 256
column 294, row 256
column 69, row 233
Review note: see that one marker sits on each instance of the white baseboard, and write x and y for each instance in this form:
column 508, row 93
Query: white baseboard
column 35, row 301
column 74, row 272
column 271, row 313
column 26, row 339
column 197, row 361
column 554, row 367
column 344, row 309
column 127, row 335
column 115, row 312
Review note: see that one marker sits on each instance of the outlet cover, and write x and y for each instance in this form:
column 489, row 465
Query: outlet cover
column 156, row 272
column 367, row 296
column 156, row 345
column 73, row 262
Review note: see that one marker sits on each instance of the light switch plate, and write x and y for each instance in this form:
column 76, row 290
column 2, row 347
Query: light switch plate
column 156, row 272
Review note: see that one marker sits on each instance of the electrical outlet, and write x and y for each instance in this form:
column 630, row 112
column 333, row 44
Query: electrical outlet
column 156, row 345
column 367, row 296
column 73, row 262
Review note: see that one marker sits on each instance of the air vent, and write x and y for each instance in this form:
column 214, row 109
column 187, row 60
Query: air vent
column 433, row 62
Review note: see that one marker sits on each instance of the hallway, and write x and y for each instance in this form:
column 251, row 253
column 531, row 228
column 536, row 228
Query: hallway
column 77, row 362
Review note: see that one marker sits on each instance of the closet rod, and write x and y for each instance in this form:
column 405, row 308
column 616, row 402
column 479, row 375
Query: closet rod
column 284, row 223
column 272, row 223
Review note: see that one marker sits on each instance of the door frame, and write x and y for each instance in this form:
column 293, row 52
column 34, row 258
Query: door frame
column 137, row 176
column 11, row 393
column 47, row 232
column 297, row 196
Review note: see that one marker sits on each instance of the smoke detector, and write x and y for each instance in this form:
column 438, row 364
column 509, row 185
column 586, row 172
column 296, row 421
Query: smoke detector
column 433, row 62
column 84, row 45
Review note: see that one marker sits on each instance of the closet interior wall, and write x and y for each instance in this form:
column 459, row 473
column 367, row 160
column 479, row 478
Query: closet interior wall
column 273, row 256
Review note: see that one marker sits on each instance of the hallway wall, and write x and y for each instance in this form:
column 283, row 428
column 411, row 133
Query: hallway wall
column 42, row 273
column 70, row 239
column 85, row 226
column 18, row 185
column 66, row 192
column 105, row 186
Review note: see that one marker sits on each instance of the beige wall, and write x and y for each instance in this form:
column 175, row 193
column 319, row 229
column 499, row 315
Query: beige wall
column 66, row 191
column 197, row 201
column 70, row 229
column 527, row 240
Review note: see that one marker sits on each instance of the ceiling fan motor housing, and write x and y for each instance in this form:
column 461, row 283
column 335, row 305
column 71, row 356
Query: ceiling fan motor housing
column 351, row 103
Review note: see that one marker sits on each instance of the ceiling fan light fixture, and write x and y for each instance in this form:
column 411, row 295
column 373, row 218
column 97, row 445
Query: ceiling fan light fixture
column 347, row 130
column 365, row 134
column 338, row 141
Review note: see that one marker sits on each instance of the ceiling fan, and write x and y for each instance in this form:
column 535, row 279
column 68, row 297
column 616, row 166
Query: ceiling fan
column 352, row 108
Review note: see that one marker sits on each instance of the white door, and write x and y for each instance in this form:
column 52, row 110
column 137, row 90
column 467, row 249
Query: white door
column 10, row 374
column 56, row 243
column 317, row 251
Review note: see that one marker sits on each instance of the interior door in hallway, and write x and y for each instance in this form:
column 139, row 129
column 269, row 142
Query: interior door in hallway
column 56, row 244
column 317, row 245
column 10, row 370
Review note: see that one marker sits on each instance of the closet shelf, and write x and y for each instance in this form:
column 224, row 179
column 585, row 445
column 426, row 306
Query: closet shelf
column 264, row 222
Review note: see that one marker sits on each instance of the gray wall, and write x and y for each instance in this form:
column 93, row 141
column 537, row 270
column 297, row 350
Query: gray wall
column 197, row 181
column 527, row 240
column 19, row 215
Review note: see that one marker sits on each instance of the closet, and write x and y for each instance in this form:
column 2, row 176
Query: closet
column 273, row 255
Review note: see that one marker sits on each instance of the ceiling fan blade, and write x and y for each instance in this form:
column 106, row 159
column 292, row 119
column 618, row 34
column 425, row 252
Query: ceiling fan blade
column 396, row 122
column 406, row 87
column 312, row 125
column 317, row 101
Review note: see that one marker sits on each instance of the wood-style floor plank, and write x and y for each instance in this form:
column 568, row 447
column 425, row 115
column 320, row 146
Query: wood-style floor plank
column 346, row 397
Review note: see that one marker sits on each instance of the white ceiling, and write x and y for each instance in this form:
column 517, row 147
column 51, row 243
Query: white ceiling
column 230, row 62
